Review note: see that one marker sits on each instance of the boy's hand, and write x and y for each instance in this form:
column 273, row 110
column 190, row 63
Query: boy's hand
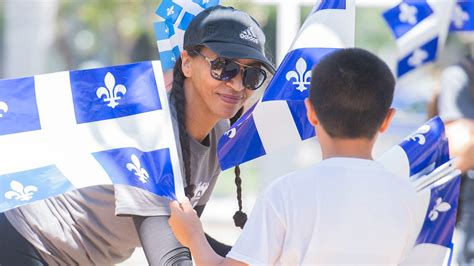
column 460, row 134
column 184, row 222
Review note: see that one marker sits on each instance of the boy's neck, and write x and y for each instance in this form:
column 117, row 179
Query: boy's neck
column 345, row 147
column 352, row 148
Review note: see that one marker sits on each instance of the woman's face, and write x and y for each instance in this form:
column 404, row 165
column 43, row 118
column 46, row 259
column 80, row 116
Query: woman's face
column 218, row 99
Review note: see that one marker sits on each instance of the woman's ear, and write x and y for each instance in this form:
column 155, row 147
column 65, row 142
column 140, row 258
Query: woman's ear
column 186, row 64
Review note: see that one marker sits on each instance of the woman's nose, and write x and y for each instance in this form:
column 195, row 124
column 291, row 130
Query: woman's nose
column 236, row 82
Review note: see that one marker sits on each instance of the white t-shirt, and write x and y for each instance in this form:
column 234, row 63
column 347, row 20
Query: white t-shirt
column 340, row 211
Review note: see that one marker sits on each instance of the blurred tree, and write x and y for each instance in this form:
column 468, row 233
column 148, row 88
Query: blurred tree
column 109, row 32
column 304, row 13
column 144, row 48
column 371, row 33
column 106, row 32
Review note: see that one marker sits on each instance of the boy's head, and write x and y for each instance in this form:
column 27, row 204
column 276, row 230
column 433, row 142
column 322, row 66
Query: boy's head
column 351, row 92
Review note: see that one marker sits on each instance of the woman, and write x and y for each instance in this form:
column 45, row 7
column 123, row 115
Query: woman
column 222, row 63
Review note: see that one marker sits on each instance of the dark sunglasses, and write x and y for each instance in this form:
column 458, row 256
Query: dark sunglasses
column 224, row 69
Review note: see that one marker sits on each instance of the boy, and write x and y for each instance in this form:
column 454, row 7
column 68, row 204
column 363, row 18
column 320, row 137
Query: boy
column 347, row 208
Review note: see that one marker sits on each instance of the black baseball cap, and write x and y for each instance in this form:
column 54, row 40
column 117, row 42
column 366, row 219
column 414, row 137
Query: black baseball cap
column 228, row 32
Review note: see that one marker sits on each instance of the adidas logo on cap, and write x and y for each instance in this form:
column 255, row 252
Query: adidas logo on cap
column 248, row 34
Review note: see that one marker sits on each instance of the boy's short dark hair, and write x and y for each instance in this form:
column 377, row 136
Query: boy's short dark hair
column 351, row 92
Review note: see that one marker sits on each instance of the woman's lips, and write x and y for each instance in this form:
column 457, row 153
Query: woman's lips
column 230, row 99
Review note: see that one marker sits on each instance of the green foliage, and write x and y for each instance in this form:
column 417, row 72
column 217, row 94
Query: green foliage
column 123, row 30
column 372, row 32
column 119, row 29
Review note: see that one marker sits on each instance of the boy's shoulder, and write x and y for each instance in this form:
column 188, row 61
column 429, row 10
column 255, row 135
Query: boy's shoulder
column 329, row 171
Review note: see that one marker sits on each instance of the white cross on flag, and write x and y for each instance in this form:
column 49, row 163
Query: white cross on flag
column 73, row 129
column 278, row 120
column 424, row 158
column 420, row 28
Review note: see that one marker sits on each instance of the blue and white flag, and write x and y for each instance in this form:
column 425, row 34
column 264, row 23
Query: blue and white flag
column 279, row 120
column 421, row 152
column 420, row 28
column 68, row 130
column 176, row 16
column 463, row 16
column 424, row 158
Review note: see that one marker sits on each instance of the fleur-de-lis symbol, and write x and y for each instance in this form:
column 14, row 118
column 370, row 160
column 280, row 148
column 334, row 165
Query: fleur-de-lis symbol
column 408, row 13
column 459, row 16
column 136, row 167
column 205, row 2
column 419, row 134
column 231, row 133
column 3, row 108
column 170, row 11
column 111, row 92
column 417, row 58
column 301, row 76
column 440, row 206
column 20, row 192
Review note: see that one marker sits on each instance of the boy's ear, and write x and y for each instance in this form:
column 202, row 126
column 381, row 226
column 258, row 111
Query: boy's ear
column 310, row 113
column 186, row 64
column 387, row 121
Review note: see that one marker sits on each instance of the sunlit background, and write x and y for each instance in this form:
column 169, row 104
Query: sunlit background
column 44, row 36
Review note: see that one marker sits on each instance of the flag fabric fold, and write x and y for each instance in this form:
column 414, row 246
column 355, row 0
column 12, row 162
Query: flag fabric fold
column 463, row 16
column 420, row 28
column 424, row 158
column 73, row 129
column 175, row 17
column 281, row 109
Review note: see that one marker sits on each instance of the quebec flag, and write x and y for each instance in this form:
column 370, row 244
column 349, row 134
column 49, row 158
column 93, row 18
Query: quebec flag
column 463, row 16
column 424, row 158
column 176, row 16
column 74, row 129
column 420, row 28
column 330, row 26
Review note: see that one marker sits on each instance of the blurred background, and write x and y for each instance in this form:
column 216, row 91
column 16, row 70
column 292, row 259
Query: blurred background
column 44, row 36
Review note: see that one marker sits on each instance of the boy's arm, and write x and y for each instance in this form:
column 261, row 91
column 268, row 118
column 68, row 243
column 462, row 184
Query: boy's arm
column 188, row 230
column 219, row 247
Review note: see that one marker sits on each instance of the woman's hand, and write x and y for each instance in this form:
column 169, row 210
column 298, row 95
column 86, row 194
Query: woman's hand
column 185, row 223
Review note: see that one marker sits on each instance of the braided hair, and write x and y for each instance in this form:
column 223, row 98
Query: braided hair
column 240, row 218
column 178, row 96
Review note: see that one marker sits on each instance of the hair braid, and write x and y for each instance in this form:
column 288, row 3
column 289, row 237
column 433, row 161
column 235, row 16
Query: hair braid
column 240, row 217
column 177, row 94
